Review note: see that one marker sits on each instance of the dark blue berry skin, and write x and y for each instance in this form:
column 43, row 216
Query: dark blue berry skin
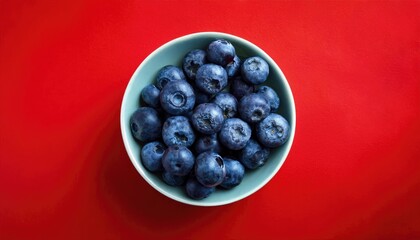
column 253, row 108
column 150, row 95
column 207, row 118
column 211, row 78
column 240, row 88
column 220, row 52
column 227, row 102
column 207, row 143
column 234, row 134
column 178, row 160
column 167, row 74
column 177, row 130
column 196, row 190
column 271, row 96
column 173, row 180
column 253, row 155
column 235, row 172
column 151, row 156
column 177, row 97
column 145, row 124
column 255, row 70
column 192, row 61
column 233, row 68
column 273, row 131
column 209, row 169
column 201, row 97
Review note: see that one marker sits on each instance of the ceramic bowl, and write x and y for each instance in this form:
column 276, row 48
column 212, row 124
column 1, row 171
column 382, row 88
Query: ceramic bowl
column 172, row 53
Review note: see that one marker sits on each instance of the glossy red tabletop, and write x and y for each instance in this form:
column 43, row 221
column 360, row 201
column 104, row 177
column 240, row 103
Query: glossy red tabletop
column 353, row 171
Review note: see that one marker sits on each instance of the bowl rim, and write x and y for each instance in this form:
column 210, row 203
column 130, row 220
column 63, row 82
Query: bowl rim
column 292, row 120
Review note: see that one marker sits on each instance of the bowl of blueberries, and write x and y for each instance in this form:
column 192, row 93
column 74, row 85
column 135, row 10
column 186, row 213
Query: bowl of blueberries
column 208, row 119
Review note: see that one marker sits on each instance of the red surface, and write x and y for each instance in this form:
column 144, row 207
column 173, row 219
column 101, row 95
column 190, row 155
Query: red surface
column 353, row 171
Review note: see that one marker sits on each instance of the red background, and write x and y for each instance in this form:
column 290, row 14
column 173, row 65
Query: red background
column 352, row 173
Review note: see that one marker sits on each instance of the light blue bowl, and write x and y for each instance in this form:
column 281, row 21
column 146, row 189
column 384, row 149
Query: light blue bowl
column 172, row 53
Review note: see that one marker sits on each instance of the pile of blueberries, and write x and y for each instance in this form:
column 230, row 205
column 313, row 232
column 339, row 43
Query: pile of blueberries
column 203, row 125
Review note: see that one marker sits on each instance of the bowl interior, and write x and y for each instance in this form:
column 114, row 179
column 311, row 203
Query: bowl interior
column 172, row 53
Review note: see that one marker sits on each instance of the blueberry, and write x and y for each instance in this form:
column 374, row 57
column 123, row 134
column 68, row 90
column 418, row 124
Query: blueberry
column 145, row 124
column 192, row 61
column 150, row 96
column 178, row 160
column 207, row 118
column 233, row 68
column 167, row 74
column 240, row 88
column 177, row 130
column 177, row 97
column 220, row 52
column 253, row 155
column 235, row 133
column 173, row 180
column 235, row 172
column 151, row 156
column 211, row 78
column 273, row 131
column 207, row 143
column 196, row 190
column 227, row 102
column 271, row 96
column 196, row 99
column 255, row 70
column 210, row 169
column 253, row 108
